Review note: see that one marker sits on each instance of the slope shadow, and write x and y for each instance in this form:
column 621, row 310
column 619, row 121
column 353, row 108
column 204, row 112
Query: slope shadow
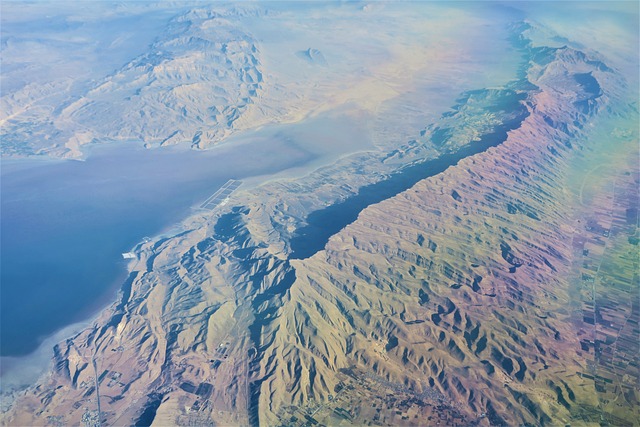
column 324, row 223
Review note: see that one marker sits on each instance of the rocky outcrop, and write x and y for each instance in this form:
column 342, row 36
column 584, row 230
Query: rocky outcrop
column 191, row 86
column 458, row 285
column 446, row 299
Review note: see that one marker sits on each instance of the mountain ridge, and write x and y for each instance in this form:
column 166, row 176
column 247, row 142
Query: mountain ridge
column 447, row 301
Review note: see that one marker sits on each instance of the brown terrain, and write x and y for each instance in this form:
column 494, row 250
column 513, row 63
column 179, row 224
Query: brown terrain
column 491, row 292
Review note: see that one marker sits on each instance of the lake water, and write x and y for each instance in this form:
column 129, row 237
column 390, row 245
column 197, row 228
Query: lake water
column 66, row 223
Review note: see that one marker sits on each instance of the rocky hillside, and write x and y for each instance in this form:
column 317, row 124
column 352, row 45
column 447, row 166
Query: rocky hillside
column 457, row 288
column 445, row 294
column 191, row 85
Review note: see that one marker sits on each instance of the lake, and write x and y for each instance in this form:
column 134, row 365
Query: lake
column 65, row 223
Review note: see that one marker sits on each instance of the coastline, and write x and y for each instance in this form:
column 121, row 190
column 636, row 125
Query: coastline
column 19, row 373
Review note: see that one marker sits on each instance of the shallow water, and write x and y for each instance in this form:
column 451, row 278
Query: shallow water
column 66, row 223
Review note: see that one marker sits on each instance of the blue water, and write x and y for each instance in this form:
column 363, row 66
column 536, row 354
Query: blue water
column 65, row 223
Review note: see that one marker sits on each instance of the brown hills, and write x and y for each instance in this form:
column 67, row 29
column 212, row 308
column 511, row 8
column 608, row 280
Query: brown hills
column 452, row 301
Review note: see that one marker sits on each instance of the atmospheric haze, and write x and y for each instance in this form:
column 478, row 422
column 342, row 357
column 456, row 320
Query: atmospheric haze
column 345, row 213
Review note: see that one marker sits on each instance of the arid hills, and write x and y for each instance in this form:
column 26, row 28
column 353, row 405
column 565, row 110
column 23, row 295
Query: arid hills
column 439, row 282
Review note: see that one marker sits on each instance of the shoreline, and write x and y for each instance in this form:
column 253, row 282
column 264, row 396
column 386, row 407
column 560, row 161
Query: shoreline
column 19, row 373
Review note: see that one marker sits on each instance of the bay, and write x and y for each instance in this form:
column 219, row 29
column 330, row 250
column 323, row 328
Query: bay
column 66, row 223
